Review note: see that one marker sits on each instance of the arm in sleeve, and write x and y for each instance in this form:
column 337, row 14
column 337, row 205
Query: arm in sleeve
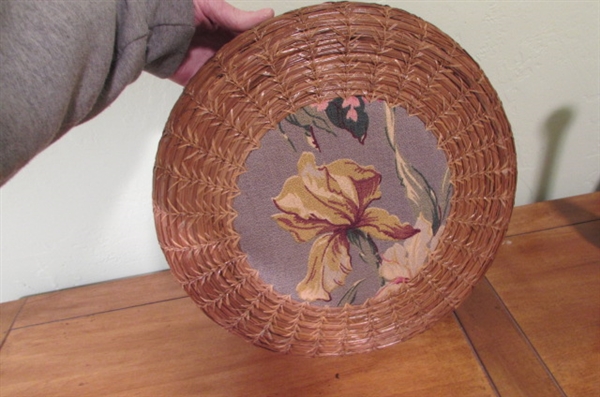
column 63, row 62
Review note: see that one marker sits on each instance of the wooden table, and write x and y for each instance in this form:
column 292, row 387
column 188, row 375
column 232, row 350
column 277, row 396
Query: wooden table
column 531, row 328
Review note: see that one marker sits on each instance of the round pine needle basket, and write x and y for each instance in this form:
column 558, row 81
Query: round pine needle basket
column 335, row 180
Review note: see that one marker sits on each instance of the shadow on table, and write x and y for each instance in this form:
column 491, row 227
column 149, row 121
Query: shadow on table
column 580, row 219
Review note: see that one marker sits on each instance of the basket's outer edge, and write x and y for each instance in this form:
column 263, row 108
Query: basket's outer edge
column 305, row 57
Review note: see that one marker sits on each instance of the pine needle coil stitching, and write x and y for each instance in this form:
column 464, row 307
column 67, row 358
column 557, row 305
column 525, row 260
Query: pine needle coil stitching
column 300, row 58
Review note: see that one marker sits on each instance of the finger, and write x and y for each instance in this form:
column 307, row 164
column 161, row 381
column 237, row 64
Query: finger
column 220, row 14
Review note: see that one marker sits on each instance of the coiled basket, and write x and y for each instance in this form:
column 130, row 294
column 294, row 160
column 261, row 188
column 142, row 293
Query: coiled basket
column 325, row 109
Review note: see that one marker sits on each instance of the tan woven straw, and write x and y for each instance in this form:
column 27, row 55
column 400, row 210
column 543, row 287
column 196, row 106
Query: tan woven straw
column 314, row 54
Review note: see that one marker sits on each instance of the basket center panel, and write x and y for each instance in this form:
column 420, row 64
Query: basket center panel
column 343, row 201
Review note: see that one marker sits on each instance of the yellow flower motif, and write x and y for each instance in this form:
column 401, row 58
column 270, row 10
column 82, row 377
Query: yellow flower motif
column 326, row 202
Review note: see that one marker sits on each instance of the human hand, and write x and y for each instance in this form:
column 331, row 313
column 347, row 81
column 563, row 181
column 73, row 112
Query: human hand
column 217, row 22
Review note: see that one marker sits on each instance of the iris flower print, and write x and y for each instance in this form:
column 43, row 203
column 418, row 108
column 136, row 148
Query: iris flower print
column 403, row 261
column 330, row 205
column 347, row 114
column 350, row 115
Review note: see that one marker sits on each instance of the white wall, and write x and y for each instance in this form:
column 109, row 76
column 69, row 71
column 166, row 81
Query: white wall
column 81, row 211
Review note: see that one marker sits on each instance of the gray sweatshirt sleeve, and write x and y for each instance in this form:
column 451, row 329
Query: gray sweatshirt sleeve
column 63, row 62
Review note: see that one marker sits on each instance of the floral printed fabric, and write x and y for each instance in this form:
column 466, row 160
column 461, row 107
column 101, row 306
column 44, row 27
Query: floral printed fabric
column 329, row 204
column 344, row 201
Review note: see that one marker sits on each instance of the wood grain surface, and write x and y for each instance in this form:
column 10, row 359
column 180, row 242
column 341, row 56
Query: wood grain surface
column 530, row 328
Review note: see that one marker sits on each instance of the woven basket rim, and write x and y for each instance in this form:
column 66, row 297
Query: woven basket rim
column 297, row 59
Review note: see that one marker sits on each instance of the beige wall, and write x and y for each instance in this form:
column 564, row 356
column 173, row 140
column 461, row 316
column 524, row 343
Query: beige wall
column 81, row 211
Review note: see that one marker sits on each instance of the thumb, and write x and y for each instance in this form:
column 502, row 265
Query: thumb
column 220, row 14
